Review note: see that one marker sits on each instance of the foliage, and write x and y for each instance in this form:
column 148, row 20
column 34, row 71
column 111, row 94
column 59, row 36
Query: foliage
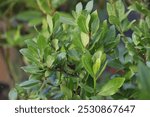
column 70, row 56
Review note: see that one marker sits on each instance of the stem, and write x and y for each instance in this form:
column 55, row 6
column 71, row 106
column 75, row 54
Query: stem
column 94, row 81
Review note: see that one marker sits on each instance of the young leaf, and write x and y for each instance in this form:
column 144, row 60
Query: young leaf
column 84, row 39
column 50, row 23
column 111, row 87
column 96, row 66
column 66, row 19
column 49, row 61
column 79, row 7
column 55, row 44
column 121, row 10
column 110, row 10
column 89, row 6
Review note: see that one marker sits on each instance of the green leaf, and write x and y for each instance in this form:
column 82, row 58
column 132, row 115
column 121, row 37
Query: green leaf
column 81, row 21
column 77, row 42
column 13, row 94
column 41, row 42
column 87, row 63
column 55, row 44
column 98, row 58
column 144, row 77
column 95, row 26
column 67, row 92
column 111, row 87
column 114, row 20
column 87, row 88
column 84, row 39
column 74, row 55
column 49, row 61
column 32, row 69
column 28, row 15
column 96, row 65
column 148, row 21
column 44, row 6
column 121, row 10
column 29, row 55
column 79, row 7
column 89, row 6
column 66, row 19
column 110, row 10
column 30, row 83
column 50, row 23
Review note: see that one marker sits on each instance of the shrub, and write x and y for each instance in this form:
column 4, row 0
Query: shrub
column 78, row 56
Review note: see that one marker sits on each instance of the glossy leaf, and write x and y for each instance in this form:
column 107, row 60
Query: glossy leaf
column 87, row 63
column 111, row 87
column 29, row 83
column 89, row 6
column 82, row 23
column 79, row 7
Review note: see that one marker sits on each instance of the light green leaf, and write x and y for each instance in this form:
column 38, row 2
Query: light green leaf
column 84, row 39
column 121, row 10
column 13, row 94
column 49, row 61
column 79, row 7
column 50, row 23
column 66, row 19
column 30, row 83
column 81, row 21
column 114, row 20
column 55, row 44
column 96, row 66
column 89, row 6
column 111, row 87
column 95, row 26
column 88, row 21
column 28, row 54
column 43, row 5
column 67, row 92
column 110, row 9
column 87, row 63
column 32, row 69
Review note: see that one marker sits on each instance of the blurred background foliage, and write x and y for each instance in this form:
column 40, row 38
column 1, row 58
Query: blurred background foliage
column 22, row 19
